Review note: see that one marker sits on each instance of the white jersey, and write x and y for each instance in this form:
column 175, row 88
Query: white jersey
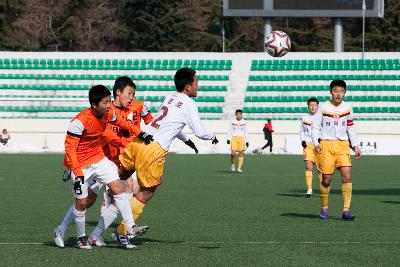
column 334, row 123
column 306, row 127
column 176, row 111
column 237, row 128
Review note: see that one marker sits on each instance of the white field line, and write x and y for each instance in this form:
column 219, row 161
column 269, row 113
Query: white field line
column 225, row 243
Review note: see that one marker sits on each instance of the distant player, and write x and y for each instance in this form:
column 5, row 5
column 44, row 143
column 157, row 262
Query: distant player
column 310, row 155
column 334, row 126
column 238, row 139
column 176, row 111
column 86, row 165
column 268, row 135
column 114, row 140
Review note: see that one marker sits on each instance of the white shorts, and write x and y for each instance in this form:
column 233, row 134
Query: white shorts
column 96, row 175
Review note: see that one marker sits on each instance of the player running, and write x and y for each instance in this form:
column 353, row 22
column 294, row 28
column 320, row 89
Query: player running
column 176, row 111
column 238, row 139
column 334, row 126
column 86, row 164
column 310, row 155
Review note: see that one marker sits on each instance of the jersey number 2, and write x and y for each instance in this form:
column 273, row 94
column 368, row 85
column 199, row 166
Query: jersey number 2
column 162, row 116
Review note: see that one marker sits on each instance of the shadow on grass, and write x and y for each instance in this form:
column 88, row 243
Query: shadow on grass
column 378, row 192
column 391, row 202
column 307, row 216
column 225, row 171
column 291, row 195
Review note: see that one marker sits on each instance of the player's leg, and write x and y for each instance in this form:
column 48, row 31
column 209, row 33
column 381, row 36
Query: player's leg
column 240, row 161
column 308, row 175
column 233, row 167
column 138, row 203
column 327, row 162
column 347, row 189
column 270, row 143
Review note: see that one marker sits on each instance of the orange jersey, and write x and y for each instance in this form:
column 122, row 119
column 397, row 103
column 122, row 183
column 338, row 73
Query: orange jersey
column 114, row 138
column 82, row 143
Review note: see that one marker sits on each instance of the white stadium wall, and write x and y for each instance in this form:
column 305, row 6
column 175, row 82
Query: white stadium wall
column 47, row 135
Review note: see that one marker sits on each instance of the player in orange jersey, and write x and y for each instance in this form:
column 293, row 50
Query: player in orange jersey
column 86, row 164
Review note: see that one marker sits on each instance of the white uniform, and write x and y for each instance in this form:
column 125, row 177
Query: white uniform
column 237, row 128
column 306, row 127
column 176, row 111
column 334, row 123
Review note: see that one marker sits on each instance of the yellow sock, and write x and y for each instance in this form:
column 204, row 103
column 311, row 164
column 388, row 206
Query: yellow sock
column 347, row 189
column 240, row 162
column 320, row 177
column 324, row 196
column 308, row 176
column 137, row 209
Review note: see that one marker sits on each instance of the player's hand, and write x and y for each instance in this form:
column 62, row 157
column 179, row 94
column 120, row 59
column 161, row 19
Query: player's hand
column 303, row 144
column 247, row 144
column 228, row 142
column 215, row 141
column 358, row 152
column 190, row 144
column 67, row 175
column 147, row 138
column 318, row 149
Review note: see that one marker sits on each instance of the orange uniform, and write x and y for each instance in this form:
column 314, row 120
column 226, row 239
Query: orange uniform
column 114, row 138
column 82, row 143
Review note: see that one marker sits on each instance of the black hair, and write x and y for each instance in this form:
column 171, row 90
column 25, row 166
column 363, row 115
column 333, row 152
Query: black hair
column 97, row 92
column 183, row 77
column 269, row 120
column 339, row 83
column 238, row 110
column 312, row 99
column 121, row 83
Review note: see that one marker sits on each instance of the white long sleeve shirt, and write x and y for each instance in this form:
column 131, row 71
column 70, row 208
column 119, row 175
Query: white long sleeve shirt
column 176, row 111
column 334, row 123
column 306, row 127
column 237, row 128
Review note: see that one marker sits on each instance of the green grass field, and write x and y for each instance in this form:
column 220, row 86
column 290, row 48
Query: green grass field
column 204, row 215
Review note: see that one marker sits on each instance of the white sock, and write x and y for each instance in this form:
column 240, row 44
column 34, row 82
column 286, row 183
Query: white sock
column 80, row 220
column 68, row 219
column 107, row 216
column 122, row 203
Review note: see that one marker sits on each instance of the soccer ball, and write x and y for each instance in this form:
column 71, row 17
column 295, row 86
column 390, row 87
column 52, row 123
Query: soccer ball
column 277, row 44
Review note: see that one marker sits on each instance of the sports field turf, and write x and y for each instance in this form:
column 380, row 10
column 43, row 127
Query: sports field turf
column 205, row 215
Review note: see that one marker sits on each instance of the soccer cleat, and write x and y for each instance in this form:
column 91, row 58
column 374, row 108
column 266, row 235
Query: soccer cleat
column 96, row 241
column 324, row 213
column 123, row 240
column 59, row 237
column 348, row 216
column 309, row 193
column 83, row 242
column 137, row 230
column 233, row 168
column 239, row 170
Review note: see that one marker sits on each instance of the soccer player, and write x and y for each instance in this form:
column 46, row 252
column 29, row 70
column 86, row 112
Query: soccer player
column 268, row 135
column 334, row 127
column 114, row 140
column 176, row 111
column 86, row 164
column 310, row 155
column 238, row 139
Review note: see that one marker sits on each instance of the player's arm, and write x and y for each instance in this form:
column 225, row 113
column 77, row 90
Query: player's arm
column 123, row 124
column 351, row 132
column 246, row 135
column 111, row 137
column 183, row 137
column 74, row 134
column 316, row 129
column 302, row 135
column 146, row 115
column 229, row 135
column 197, row 127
